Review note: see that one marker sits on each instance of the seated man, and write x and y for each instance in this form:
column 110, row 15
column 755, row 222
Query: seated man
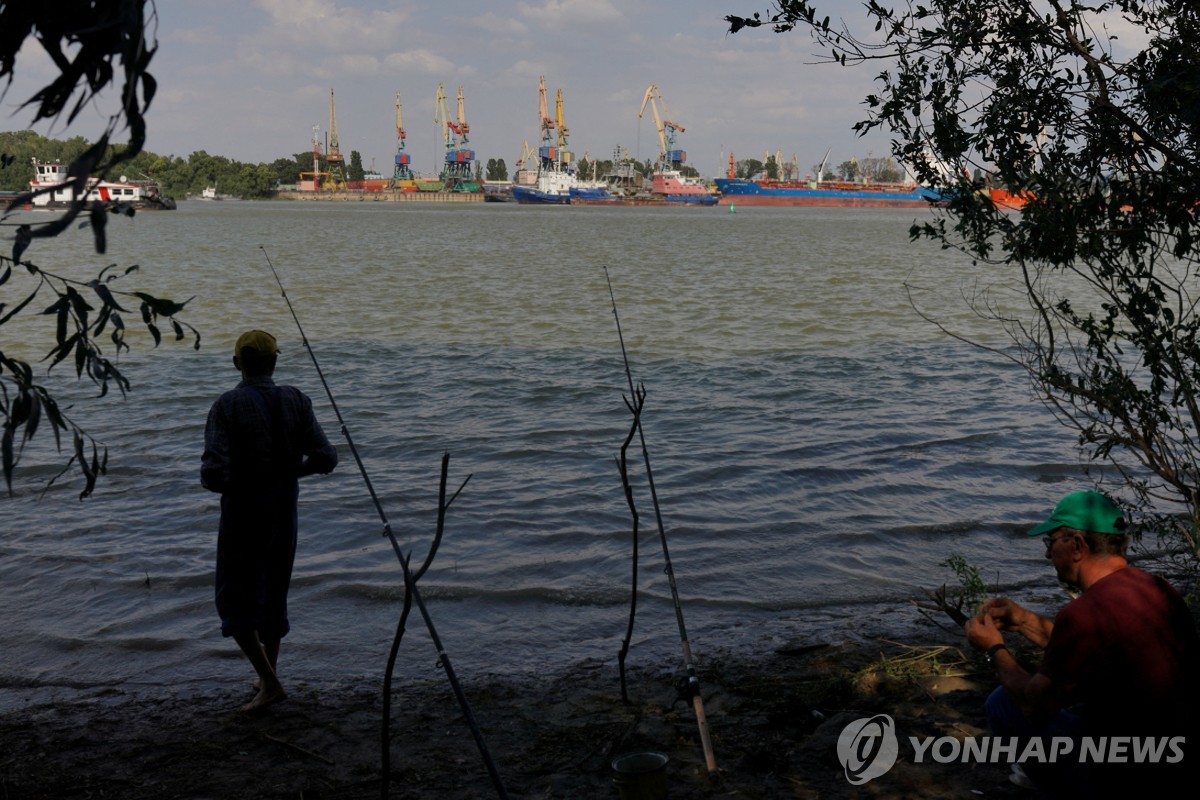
column 1122, row 659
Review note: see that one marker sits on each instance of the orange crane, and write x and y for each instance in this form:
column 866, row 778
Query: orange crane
column 546, row 124
column 669, row 156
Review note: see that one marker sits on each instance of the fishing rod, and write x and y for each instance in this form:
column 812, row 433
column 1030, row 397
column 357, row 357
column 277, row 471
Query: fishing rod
column 693, row 683
column 410, row 582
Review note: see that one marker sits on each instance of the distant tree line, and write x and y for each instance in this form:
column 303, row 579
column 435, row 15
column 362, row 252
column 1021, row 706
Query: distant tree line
column 178, row 176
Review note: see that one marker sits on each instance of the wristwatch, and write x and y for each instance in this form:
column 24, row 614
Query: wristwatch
column 991, row 651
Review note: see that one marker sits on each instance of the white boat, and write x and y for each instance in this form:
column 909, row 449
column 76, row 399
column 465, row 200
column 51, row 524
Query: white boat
column 52, row 188
column 555, row 187
column 210, row 193
column 556, row 183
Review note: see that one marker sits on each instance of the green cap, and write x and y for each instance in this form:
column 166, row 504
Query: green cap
column 1085, row 511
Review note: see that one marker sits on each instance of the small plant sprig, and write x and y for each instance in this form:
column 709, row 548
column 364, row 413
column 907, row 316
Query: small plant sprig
column 973, row 590
column 961, row 604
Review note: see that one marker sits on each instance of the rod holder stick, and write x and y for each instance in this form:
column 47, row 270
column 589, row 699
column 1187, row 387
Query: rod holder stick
column 693, row 686
column 410, row 583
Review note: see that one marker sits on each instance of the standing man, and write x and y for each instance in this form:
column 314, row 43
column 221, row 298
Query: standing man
column 1120, row 660
column 259, row 440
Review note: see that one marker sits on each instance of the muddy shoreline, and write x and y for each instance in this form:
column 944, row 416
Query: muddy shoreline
column 774, row 718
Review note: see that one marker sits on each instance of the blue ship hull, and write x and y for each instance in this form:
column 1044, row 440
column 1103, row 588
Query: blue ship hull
column 794, row 193
column 531, row 196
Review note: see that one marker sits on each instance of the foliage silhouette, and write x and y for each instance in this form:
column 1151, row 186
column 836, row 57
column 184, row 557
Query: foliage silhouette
column 94, row 44
column 1096, row 143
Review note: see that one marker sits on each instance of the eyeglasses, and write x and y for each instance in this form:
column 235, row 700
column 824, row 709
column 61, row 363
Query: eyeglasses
column 1050, row 540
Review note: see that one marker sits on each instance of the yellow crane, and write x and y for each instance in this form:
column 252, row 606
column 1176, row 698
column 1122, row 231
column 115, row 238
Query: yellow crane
column 667, row 128
column 552, row 155
column 563, row 133
column 335, row 162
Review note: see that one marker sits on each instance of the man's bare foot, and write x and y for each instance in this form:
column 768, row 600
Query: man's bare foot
column 266, row 697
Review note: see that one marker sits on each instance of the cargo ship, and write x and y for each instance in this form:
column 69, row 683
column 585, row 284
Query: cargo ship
column 766, row 192
column 668, row 186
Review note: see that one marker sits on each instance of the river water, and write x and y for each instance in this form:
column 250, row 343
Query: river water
column 817, row 447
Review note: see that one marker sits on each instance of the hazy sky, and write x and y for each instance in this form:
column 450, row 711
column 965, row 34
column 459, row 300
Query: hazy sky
column 249, row 80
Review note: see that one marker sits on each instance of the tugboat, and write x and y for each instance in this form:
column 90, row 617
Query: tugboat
column 51, row 187
column 556, row 183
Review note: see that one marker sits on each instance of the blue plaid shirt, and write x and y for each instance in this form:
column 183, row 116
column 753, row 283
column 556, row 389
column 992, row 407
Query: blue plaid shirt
column 260, row 432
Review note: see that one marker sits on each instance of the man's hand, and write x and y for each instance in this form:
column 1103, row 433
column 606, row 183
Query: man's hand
column 983, row 632
column 1009, row 616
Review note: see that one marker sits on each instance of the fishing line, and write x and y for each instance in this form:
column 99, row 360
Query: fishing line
column 410, row 583
column 693, row 683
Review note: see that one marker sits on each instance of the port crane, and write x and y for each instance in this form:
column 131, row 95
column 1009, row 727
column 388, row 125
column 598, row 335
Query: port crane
column 521, row 175
column 403, row 171
column 526, row 153
column 456, row 170
column 335, row 162
column 316, row 174
column 667, row 128
column 552, row 155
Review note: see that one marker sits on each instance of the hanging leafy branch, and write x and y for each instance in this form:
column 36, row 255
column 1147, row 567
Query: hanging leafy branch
column 1073, row 161
column 94, row 44
column 85, row 314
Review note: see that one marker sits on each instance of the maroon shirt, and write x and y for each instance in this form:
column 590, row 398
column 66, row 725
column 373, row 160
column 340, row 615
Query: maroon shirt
column 1127, row 650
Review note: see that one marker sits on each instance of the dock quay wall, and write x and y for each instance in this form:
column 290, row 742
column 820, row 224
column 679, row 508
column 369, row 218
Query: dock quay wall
column 385, row 197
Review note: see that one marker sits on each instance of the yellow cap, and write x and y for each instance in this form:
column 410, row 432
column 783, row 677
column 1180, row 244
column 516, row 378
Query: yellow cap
column 261, row 341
